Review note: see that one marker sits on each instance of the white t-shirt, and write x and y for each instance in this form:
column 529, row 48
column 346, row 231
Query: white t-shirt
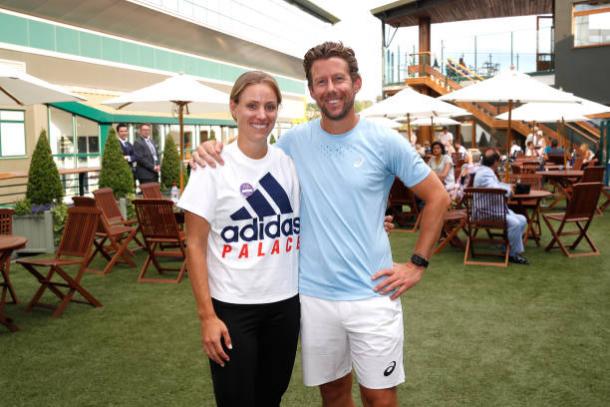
column 252, row 207
column 446, row 138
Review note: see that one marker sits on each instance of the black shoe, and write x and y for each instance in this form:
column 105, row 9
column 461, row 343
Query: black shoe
column 518, row 259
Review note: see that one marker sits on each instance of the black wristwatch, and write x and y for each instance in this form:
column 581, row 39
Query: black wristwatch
column 419, row 261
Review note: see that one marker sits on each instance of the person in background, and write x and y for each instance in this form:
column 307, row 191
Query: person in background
column 553, row 149
column 531, row 150
column 147, row 158
column 532, row 136
column 446, row 137
column 515, row 148
column 129, row 153
column 442, row 165
column 485, row 177
column 461, row 150
column 586, row 153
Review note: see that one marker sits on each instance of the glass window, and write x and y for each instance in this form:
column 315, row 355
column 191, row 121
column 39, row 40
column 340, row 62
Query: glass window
column 591, row 24
column 61, row 132
column 87, row 133
column 12, row 139
column 12, row 133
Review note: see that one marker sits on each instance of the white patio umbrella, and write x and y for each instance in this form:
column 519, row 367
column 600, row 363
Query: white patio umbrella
column 182, row 91
column 17, row 88
column 384, row 121
column 411, row 103
column 556, row 112
column 510, row 87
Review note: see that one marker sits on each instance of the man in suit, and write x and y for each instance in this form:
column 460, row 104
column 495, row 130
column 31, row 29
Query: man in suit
column 128, row 151
column 486, row 177
column 147, row 158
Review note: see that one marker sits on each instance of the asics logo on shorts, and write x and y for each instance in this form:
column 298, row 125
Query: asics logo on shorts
column 258, row 229
column 390, row 369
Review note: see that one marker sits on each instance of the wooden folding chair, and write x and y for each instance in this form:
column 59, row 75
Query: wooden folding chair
column 158, row 225
column 6, row 221
column 486, row 209
column 151, row 190
column 74, row 250
column 6, row 228
column 535, row 183
column 529, row 167
column 593, row 174
column 454, row 220
column 580, row 211
column 399, row 197
column 117, row 236
column 557, row 159
column 104, row 199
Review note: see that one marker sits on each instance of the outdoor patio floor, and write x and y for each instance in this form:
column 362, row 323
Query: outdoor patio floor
column 533, row 335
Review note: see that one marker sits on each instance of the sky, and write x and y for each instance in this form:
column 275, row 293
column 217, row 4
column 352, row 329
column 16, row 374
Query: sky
column 360, row 30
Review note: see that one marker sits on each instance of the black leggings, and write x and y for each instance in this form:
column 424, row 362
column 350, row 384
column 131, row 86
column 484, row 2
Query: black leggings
column 264, row 338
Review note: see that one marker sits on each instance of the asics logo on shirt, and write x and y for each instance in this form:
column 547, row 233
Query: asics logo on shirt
column 258, row 228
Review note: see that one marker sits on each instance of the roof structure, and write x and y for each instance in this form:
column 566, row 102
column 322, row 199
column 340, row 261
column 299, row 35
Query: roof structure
column 315, row 10
column 406, row 13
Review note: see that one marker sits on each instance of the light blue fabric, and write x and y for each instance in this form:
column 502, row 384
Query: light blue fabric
column 486, row 178
column 345, row 180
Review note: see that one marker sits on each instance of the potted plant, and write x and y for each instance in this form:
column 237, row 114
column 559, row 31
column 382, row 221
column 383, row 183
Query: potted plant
column 34, row 215
column 116, row 172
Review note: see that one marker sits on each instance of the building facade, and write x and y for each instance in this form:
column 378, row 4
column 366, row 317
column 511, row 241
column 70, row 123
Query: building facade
column 101, row 49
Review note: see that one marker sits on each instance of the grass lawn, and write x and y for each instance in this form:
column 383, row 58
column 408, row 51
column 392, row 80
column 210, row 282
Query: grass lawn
column 535, row 335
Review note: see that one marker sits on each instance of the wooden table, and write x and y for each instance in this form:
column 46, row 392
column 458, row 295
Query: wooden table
column 562, row 180
column 533, row 215
column 8, row 243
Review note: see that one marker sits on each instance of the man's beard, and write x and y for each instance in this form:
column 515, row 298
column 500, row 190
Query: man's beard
column 342, row 114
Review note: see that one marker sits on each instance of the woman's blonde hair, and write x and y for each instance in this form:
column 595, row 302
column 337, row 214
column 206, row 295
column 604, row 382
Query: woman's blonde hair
column 254, row 78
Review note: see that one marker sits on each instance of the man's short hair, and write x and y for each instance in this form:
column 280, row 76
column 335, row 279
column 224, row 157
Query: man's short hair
column 554, row 143
column 490, row 157
column 120, row 125
column 144, row 124
column 328, row 50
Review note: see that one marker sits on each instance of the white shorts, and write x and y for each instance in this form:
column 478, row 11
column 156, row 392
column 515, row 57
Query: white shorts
column 366, row 334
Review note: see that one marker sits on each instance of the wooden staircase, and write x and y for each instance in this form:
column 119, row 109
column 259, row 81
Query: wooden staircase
column 430, row 78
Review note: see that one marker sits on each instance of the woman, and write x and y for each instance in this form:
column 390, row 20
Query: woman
column 442, row 165
column 586, row 154
column 242, row 223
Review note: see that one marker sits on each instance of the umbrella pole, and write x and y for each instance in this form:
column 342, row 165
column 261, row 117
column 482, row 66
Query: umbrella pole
column 181, row 121
column 508, row 139
column 409, row 127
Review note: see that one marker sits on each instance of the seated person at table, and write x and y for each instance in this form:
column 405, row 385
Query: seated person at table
column 461, row 150
column 442, row 165
column 515, row 148
column 553, row 149
column 485, row 177
column 586, row 154
column 531, row 150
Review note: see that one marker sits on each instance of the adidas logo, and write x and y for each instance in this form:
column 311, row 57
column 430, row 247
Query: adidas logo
column 258, row 229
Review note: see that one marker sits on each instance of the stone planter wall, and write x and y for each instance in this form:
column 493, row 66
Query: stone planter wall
column 38, row 229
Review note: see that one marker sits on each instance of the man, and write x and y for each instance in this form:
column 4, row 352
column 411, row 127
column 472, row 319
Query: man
column 128, row 151
column 147, row 159
column 553, row 149
column 532, row 136
column 446, row 137
column 515, row 148
column 486, row 177
column 347, row 282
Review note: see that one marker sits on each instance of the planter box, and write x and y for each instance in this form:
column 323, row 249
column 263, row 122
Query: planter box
column 38, row 229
